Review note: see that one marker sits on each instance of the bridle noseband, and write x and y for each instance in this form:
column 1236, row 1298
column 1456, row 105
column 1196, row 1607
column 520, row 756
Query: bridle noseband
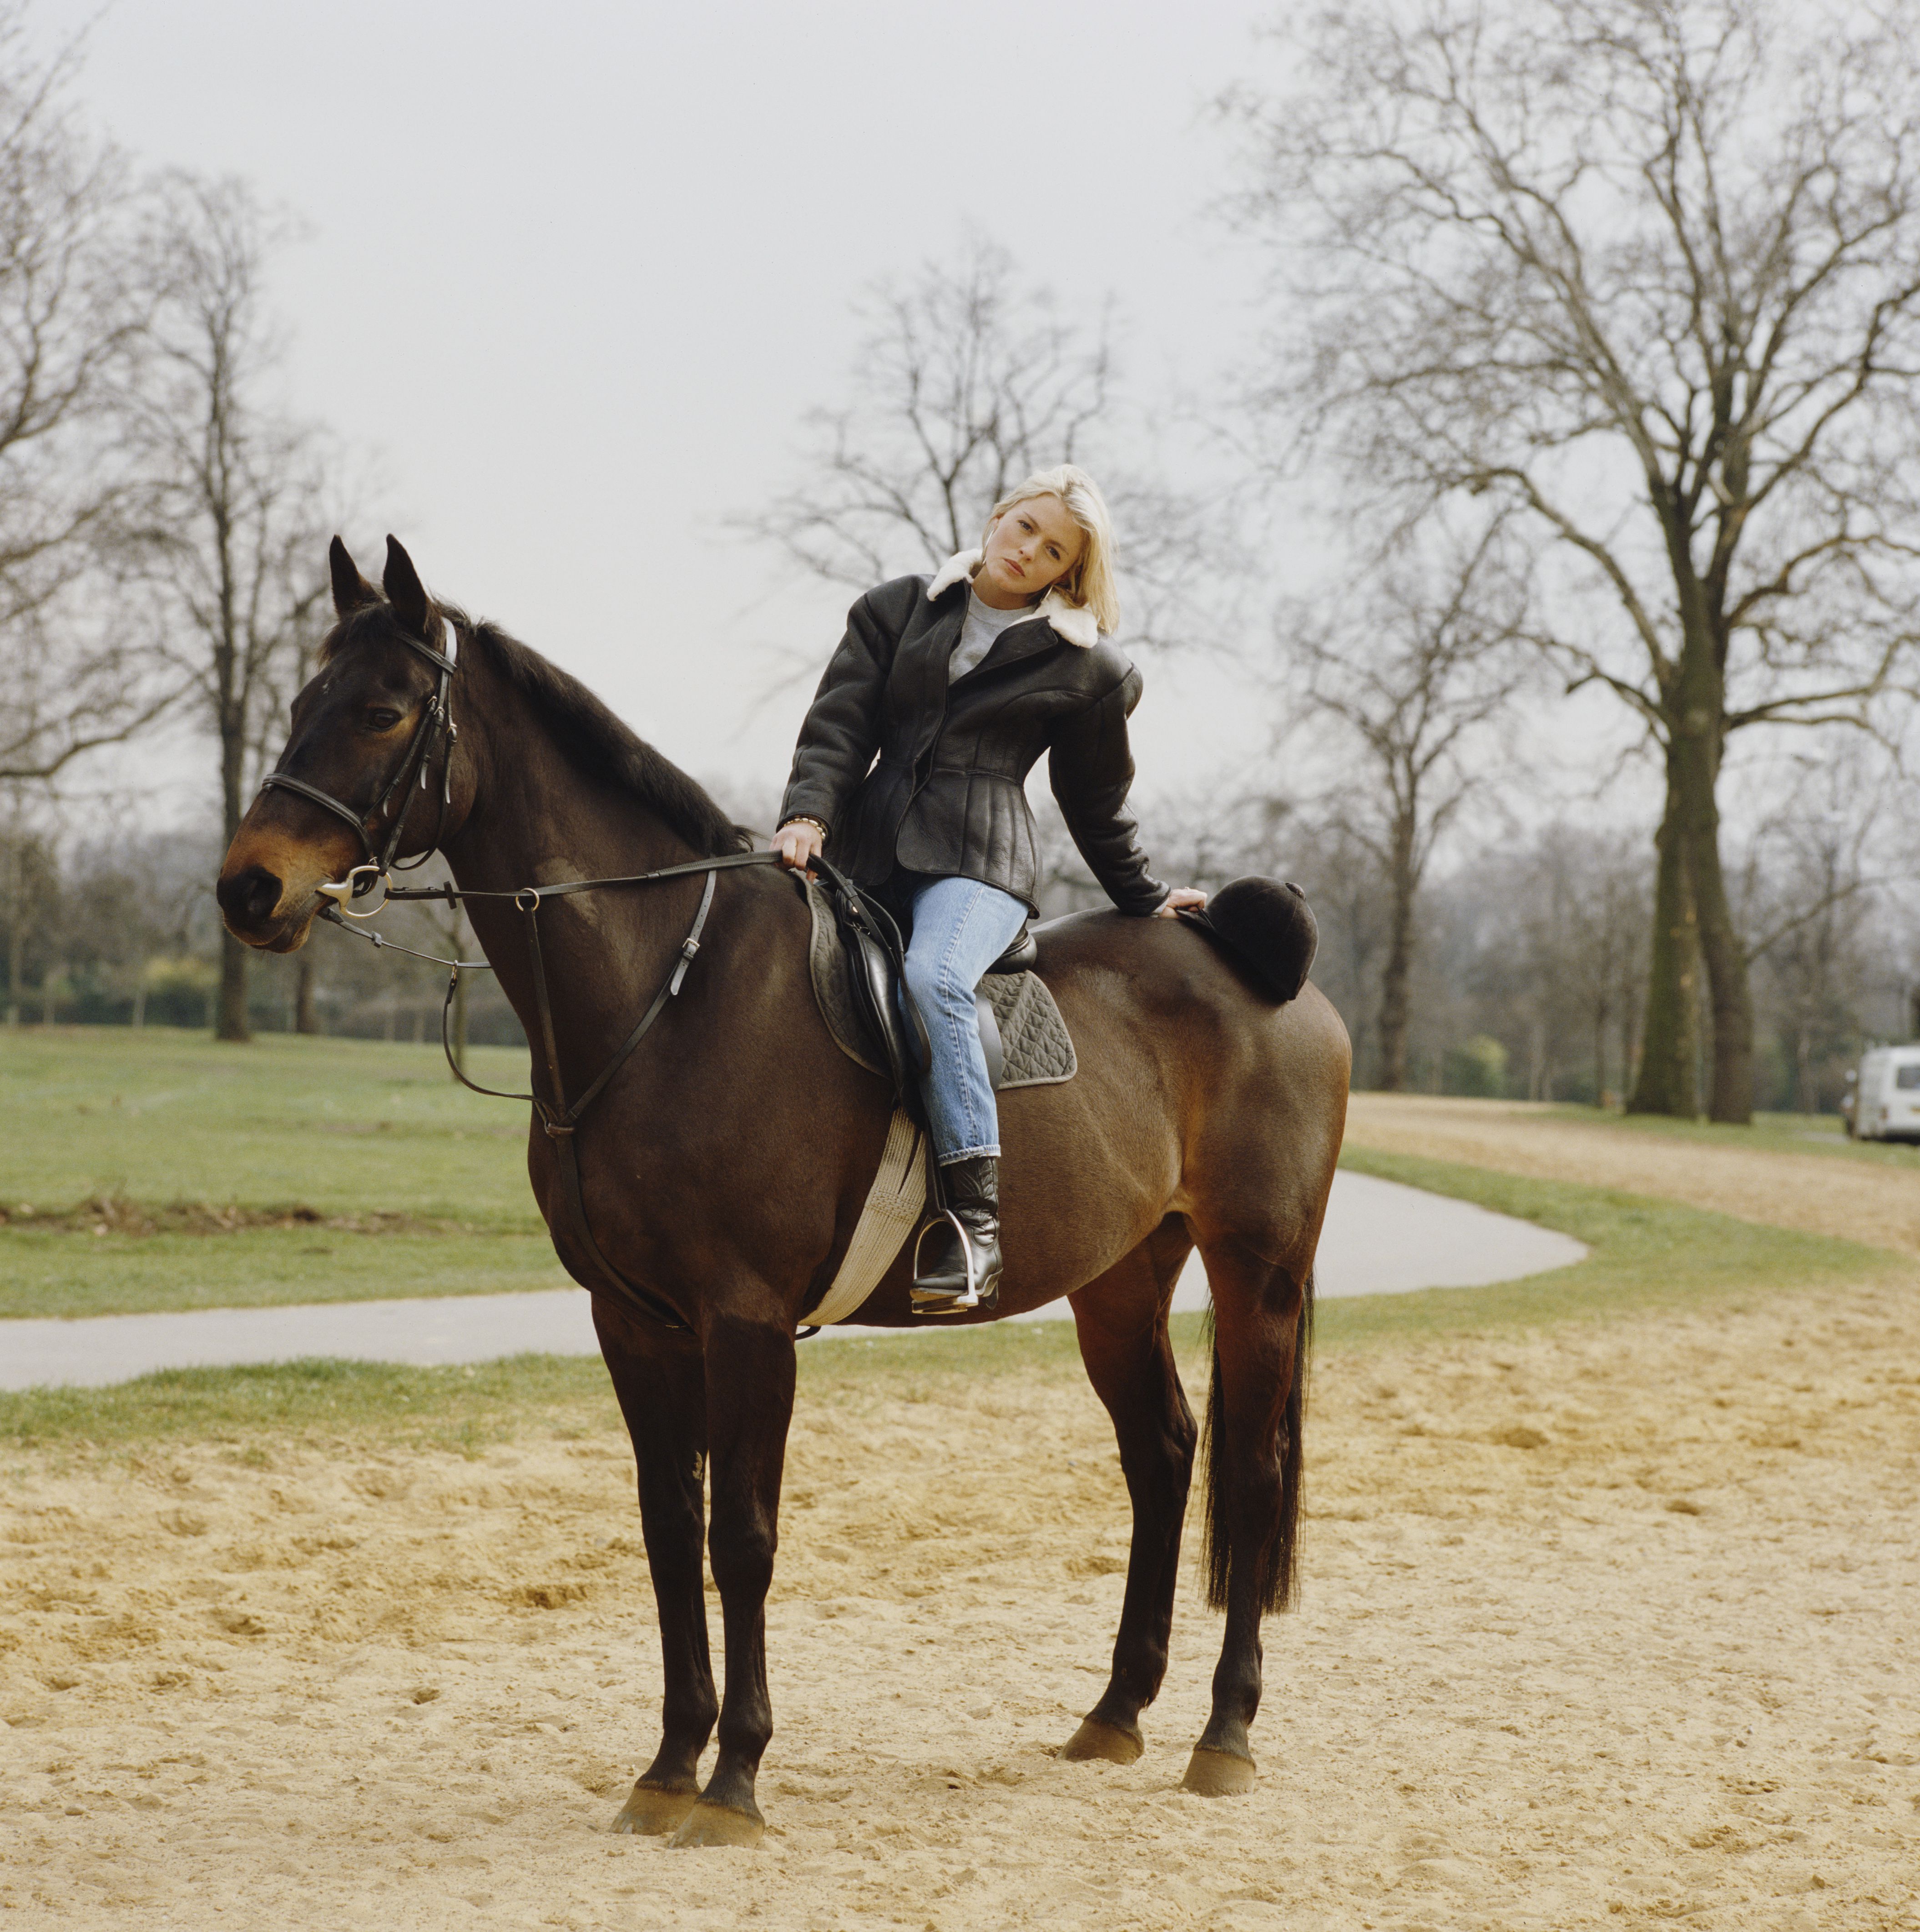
column 436, row 730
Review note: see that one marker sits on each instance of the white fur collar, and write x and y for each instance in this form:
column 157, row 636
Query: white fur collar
column 1074, row 622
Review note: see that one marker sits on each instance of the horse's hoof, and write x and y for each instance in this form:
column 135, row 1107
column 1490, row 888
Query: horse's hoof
column 719, row 1825
column 652, row 1810
column 1216, row 1774
column 1095, row 1742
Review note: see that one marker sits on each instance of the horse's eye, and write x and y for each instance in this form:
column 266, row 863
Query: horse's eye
column 382, row 719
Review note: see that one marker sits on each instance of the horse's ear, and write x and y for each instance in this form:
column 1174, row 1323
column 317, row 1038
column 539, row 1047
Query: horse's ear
column 405, row 592
column 350, row 589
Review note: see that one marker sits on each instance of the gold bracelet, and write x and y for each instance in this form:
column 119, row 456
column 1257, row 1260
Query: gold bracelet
column 801, row 818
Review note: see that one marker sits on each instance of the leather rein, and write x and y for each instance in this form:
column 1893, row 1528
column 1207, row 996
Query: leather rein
column 559, row 1118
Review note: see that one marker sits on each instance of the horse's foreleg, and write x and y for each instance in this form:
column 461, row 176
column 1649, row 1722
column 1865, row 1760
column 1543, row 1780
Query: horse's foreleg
column 1122, row 1322
column 1253, row 1421
column 749, row 1403
column 662, row 1393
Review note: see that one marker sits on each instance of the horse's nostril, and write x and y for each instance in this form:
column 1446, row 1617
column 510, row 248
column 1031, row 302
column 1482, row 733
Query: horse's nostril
column 250, row 896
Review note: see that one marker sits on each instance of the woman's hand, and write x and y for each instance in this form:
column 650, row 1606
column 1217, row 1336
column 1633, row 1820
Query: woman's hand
column 1180, row 897
column 798, row 842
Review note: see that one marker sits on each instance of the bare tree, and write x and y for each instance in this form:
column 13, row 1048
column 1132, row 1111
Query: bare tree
column 1649, row 272
column 71, row 303
column 965, row 382
column 233, row 529
column 1410, row 676
column 72, row 685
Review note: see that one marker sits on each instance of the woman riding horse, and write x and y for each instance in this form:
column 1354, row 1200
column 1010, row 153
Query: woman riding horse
column 958, row 683
column 1206, row 1111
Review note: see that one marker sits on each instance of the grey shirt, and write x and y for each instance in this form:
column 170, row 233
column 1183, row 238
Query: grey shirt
column 980, row 632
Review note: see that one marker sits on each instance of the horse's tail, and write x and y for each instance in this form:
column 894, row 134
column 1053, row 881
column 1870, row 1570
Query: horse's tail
column 1275, row 1557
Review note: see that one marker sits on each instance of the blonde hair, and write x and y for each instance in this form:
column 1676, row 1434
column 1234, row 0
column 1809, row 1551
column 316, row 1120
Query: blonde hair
column 1090, row 581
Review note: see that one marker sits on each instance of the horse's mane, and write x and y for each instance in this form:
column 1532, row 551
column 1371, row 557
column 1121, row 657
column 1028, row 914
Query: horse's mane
column 593, row 738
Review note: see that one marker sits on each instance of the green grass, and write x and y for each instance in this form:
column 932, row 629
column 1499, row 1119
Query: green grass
column 1771, row 1133
column 70, row 1274
column 342, row 1125
column 1647, row 1256
column 345, row 1127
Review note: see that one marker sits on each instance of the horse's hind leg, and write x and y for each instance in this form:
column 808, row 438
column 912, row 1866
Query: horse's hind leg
column 1123, row 1324
column 662, row 1394
column 1254, row 1412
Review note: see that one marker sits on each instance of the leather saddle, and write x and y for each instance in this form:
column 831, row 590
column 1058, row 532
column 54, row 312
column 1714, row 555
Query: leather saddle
column 877, row 953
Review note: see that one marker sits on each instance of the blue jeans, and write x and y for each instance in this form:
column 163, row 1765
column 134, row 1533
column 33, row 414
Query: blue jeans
column 961, row 927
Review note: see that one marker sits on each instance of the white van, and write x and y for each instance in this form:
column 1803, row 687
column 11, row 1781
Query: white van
column 1886, row 1095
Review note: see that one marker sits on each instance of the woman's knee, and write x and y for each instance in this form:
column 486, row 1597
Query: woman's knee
column 931, row 985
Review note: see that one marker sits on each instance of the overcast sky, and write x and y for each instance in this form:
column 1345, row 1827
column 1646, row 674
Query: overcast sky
column 576, row 273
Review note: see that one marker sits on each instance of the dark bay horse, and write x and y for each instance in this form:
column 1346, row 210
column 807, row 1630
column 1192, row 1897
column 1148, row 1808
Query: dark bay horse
column 725, row 1168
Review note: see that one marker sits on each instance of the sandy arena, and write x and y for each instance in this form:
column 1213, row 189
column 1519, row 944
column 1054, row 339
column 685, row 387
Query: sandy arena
column 1613, row 1628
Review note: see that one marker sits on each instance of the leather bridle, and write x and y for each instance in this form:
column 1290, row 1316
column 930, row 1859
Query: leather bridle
column 436, row 730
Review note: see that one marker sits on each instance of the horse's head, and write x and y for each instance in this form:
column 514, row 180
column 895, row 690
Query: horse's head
column 362, row 740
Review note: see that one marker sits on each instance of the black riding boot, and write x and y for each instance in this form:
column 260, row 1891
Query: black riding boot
column 956, row 1267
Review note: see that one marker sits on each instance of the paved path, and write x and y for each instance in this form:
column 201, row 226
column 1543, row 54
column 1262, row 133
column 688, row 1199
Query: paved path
column 1380, row 1239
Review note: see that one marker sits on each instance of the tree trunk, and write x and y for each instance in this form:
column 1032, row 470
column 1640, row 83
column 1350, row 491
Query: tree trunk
column 1401, row 885
column 1695, row 741
column 305, row 1020
column 1669, row 1081
column 1731, row 996
column 230, row 1008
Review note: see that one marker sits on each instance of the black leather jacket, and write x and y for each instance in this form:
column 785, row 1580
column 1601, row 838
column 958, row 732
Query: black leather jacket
column 946, row 795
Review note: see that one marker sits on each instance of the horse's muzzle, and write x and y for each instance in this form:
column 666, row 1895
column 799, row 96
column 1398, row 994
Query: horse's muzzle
column 248, row 899
column 249, row 905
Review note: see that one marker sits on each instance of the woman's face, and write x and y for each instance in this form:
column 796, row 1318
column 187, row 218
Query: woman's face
column 1028, row 550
